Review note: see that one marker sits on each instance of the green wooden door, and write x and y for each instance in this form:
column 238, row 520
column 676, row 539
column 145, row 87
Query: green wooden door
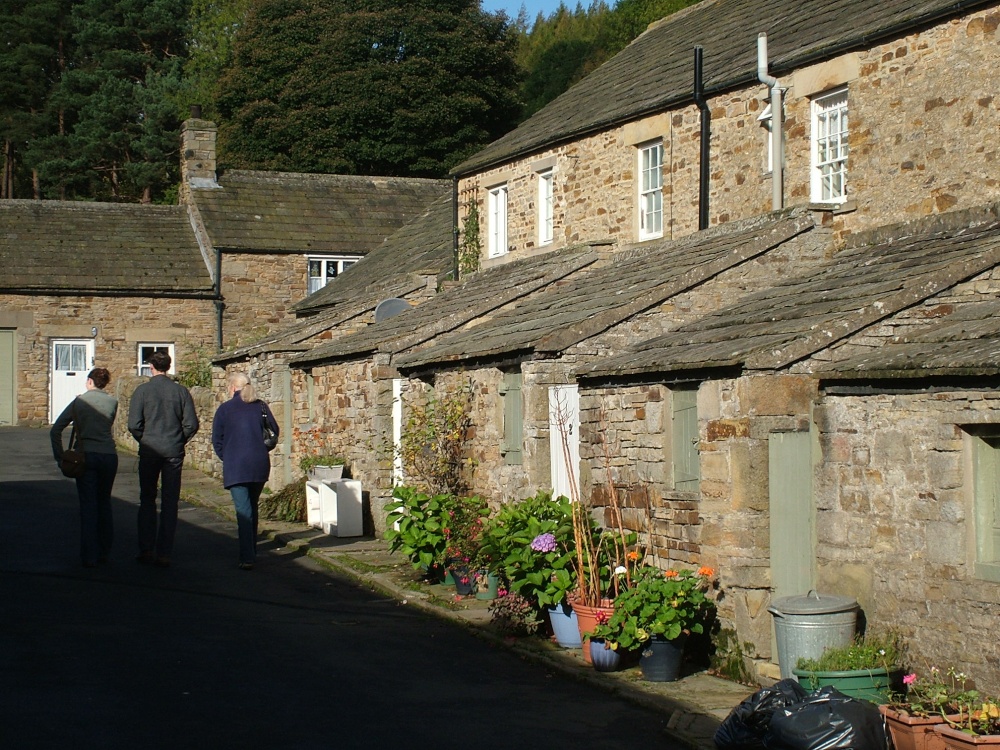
column 684, row 440
column 793, row 566
column 8, row 360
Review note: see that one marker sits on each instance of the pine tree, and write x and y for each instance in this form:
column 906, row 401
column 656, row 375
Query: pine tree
column 386, row 87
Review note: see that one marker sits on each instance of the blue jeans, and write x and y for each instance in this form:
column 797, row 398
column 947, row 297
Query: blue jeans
column 158, row 538
column 246, row 498
column 97, row 530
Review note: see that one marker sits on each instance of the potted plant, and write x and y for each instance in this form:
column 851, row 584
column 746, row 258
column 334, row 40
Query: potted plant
column 935, row 699
column 655, row 614
column 869, row 668
column 323, row 467
column 978, row 724
column 463, row 533
column 416, row 524
column 533, row 543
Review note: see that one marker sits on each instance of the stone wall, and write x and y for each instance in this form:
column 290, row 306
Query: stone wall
column 260, row 290
column 122, row 324
column 895, row 520
column 922, row 140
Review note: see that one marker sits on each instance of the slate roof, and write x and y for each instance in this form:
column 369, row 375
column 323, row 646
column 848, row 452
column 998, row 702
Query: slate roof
column 636, row 280
column 656, row 71
column 424, row 246
column 62, row 247
column 454, row 307
column 965, row 343
column 275, row 212
column 796, row 318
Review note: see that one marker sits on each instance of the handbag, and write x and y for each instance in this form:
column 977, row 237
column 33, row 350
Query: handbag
column 73, row 462
column 266, row 431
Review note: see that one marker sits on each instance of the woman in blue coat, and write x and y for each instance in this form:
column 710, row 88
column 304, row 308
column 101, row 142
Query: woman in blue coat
column 237, row 440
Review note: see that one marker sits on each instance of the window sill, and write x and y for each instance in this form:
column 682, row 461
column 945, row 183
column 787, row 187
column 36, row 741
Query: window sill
column 835, row 208
column 988, row 571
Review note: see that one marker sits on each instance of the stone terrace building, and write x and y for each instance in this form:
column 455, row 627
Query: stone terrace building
column 87, row 283
column 817, row 466
column 889, row 113
column 106, row 284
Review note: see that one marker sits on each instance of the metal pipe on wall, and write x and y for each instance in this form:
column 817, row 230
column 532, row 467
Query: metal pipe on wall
column 706, row 135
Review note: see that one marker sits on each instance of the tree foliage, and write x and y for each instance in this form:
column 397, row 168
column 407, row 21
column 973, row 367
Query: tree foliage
column 384, row 87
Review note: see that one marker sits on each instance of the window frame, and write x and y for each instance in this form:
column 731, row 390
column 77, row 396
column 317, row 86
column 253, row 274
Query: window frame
column 546, row 206
column 986, row 501
column 143, row 369
column 496, row 221
column 650, row 192
column 829, row 111
column 343, row 262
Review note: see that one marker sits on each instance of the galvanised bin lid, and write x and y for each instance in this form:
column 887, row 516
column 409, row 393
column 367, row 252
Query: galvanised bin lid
column 812, row 603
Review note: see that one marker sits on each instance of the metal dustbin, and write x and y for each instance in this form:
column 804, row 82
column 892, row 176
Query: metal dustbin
column 805, row 626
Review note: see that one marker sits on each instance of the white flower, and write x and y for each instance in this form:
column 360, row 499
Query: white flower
column 620, row 570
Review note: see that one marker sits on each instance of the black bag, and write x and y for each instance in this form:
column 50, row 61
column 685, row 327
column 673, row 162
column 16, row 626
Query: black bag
column 746, row 725
column 266, row 431
column 827, row 720
column 73, row 462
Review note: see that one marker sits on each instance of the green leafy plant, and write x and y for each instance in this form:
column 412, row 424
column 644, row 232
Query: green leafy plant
column 310, row 462
column 513, row 615
column 540, row 571
column 730, row 659
column 979, row 716
column 470, row 250
column 464, row 530
column 288, row 504
column 196, row 368
column 936, row 694
column 658, row 603
column 416, row 525
column 875, row 650
column 434, row 443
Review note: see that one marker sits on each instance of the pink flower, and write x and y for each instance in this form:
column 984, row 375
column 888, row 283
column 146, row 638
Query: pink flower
column 909, row 679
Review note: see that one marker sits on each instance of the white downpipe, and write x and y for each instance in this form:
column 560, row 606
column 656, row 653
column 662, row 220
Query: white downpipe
column 777, row 143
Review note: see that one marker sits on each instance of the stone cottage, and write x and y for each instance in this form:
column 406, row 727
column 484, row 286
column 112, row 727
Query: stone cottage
column 107, row 284
column 827, row 453
column 872, row 111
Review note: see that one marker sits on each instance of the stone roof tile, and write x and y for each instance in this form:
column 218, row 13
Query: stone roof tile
column 655, row 72
column 583, row 306
column 310, row 213
column 100, row 248
column 798, row 317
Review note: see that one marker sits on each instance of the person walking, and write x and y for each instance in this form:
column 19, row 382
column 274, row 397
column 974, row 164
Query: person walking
column 162, row 419
column 92, row 413
column 238, row 441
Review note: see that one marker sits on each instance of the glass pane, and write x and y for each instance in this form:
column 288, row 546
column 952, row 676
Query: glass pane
column 62, row 357
column 315, row 269
column 331, row 269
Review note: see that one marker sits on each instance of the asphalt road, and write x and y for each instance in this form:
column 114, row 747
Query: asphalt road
column 204, row 655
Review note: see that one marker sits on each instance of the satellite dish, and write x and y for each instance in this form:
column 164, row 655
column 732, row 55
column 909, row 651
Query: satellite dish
column 389, row 307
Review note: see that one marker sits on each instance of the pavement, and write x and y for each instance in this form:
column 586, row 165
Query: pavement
column 696, row 704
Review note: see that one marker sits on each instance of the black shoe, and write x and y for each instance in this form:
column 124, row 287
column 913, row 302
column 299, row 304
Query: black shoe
column 89, row 564
column 246, row 566
column 145, row 558
column 162, row 562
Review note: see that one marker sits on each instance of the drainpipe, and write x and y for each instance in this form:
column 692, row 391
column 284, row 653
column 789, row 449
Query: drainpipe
column 220, row 305
column 777, row 143
column 454, row 225
column 706, row 133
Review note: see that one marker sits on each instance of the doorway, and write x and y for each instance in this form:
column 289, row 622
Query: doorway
column 70, row 362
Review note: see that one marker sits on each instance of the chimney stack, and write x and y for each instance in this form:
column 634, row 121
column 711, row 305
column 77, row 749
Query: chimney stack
column 197, row 154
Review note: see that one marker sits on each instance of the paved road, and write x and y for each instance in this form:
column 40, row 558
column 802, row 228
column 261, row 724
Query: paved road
column 203, row 655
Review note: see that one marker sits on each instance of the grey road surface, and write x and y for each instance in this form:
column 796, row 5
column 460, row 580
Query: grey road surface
column 203, row 655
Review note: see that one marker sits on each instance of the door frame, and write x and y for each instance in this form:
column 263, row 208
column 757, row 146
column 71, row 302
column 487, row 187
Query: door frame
column 53, row 411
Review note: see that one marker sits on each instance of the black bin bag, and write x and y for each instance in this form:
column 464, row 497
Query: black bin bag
column 746, row 725
column 827, row 720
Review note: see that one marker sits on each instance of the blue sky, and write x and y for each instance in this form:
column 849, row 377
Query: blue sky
column 534, row 7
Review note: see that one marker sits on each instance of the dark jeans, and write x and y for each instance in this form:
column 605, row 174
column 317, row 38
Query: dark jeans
column 246, row 498
column 97, row 530
column 158, row 538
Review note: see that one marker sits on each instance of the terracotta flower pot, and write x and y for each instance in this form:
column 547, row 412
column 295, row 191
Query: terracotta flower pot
column 955, row 739
column 913, row 732
column 586, row 618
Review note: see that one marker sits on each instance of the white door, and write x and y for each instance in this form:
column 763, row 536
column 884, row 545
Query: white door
column 71, row 361
column 564, row 440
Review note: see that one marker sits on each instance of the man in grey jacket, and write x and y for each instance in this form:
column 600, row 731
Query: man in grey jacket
column 162, row 419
